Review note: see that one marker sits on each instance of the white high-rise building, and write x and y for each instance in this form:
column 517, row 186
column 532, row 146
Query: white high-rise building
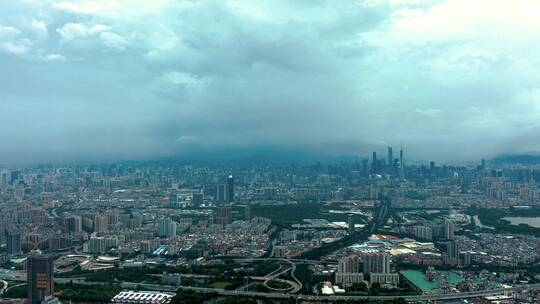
column 348, row 271
column 423, row 232
column 166, row 227
column 99, row 244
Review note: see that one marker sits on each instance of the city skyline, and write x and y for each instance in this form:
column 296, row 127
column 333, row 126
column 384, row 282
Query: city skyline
column 269, row 152
column 275, row 157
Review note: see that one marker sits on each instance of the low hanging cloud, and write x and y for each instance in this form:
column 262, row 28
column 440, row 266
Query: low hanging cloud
column 113, row 80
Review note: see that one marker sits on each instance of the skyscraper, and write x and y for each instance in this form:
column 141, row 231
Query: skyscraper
column 350, row 222
column 374, row 164
column 349, row 264
column 39, row 276
column 13, row 242
column 449, row 229
column 74, row 224
column 390, row 160
column 452, row 253
column 365, row 167
column 348, row 271
column 197, row 199
column 101, row 223
column 221, row 193
column 230, row 189
column 224, row 215
column 401, row 164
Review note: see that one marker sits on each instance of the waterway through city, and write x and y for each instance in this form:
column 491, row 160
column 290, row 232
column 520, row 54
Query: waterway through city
column 517, row 220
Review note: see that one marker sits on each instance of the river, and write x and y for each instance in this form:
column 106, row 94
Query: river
column 517, row 220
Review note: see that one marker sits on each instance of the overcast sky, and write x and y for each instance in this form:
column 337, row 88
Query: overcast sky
column 112, row 80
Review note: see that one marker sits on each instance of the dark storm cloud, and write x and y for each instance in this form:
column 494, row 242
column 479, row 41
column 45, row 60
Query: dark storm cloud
column 106, row 80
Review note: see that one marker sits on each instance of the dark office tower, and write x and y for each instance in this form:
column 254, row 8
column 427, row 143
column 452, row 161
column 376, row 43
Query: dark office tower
column 350, row 223
column 401, row 164
column 15, row 176
column 13, row 241
column 432, row 166
column 389, row 160
column 364, row 167
column 197, row 199
column 230, row 189
column 39, row 277
column 374, row 164
column 74, row 224
column 483, row 164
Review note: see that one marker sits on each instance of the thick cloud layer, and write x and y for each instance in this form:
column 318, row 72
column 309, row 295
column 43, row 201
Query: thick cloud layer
column 115, row 79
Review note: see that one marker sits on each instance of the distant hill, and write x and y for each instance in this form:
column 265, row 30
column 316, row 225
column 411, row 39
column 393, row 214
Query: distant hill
column 524, row 159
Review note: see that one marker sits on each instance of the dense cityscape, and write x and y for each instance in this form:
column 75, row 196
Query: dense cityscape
column 377, row 229
column 269, row 152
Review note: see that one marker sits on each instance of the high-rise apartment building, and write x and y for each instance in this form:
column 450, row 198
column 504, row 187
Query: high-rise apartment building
column 449, row 229
column 224, row 215
column 166, row 227
column 376, row 263
column 13, row 242
column 452, row 250
column 348, row 271
column 74, row 224
column 101, row 223
column 423, row 232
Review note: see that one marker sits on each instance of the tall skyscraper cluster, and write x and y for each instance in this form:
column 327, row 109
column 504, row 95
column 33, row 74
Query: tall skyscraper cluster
column 392, row 166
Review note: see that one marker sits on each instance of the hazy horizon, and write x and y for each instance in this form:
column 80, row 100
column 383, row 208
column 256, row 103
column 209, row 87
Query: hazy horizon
column 98, row 81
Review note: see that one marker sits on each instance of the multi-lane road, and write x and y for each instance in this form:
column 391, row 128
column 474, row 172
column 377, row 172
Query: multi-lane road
column 337, row 298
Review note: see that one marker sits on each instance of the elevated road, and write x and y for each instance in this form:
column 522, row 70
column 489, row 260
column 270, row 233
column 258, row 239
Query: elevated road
column 419, row 298
column 4, row 286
